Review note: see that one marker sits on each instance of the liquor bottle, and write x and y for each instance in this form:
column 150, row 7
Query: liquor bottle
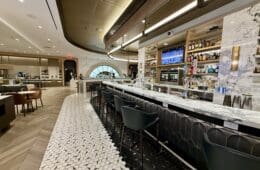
column 200, row 44
column 196, row 44
column 192, row 45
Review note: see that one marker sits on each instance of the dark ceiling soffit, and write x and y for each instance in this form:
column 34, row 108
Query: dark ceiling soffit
column 127, row 14
column 67, row 37
column 201, row 9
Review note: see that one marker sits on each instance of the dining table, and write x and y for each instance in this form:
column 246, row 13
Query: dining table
column 27, row 94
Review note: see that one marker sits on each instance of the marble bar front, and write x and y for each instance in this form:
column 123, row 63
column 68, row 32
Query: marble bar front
column 238, row 119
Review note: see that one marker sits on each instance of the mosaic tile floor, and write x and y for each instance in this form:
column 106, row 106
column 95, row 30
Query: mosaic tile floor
column 79, row 140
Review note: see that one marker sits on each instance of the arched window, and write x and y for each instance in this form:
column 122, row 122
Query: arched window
column 104, row 72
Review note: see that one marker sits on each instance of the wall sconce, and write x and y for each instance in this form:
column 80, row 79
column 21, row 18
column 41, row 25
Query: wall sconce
column 235, row 58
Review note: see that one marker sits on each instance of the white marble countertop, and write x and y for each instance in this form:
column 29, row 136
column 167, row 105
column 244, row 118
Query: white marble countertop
column 4, row 97
column 177, row 87
column 235, row 115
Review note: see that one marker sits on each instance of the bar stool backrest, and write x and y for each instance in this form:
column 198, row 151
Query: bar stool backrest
column 220, row 157
column 239, row 143
column 136, row 119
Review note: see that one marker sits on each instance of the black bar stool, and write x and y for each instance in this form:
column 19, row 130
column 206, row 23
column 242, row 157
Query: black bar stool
column 108, row 103
column 119, row 102
column 137, row 120
column 221, row 157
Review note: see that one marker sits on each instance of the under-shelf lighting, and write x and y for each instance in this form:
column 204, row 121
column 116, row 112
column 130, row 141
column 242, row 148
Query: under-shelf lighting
column 114, row 49
column 174, row 15
column 132, row 39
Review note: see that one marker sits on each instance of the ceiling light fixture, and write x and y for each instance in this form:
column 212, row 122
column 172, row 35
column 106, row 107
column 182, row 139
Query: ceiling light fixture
column 174, row 15
column 132, row 39
column 114, row 49
column 2, row 44
column 143, row 21
column 125, row 35
column 17, row 39
column 165, row 44
column 39, row 27
column 21, row 1
column 49, row 39
column 30, row 47
column 121, row 59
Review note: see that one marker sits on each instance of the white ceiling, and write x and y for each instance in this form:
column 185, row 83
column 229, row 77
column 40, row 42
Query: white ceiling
column 19, row 32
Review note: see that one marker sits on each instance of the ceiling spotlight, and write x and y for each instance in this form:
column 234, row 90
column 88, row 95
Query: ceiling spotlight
column 2, row 44
column 30, row 47
column 49, row 39
column 125, row 35
column 165, row 44
column 143, row 21
column 17, row 39
column 21, row 1
column 39, row 27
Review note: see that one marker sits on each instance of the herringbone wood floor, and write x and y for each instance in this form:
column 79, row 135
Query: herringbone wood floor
column 23, row 145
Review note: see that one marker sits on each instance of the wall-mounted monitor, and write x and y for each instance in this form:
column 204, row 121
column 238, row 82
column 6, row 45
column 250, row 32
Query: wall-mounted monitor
column 173, row 55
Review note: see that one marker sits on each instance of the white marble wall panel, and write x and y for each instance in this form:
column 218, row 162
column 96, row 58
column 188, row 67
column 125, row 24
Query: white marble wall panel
column 240, row 29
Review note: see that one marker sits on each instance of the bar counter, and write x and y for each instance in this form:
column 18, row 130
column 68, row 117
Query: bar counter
column 231, row 117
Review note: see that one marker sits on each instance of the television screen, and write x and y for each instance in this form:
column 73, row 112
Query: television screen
column 173, row 55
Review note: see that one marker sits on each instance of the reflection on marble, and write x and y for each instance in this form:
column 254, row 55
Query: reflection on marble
column 239, row 116
column 79, row 140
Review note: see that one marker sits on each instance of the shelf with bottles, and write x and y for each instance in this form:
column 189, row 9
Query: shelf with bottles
column 204, row 44
column 204, row 57
column 203, row 70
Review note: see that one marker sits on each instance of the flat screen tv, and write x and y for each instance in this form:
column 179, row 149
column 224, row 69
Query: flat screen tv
column 173, row 55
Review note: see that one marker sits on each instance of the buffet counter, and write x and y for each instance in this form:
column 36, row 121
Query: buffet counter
column 231, row 117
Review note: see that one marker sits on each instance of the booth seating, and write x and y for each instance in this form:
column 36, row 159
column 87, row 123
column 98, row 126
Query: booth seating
column 7, row 111
column 185, row 134
column 6, row 89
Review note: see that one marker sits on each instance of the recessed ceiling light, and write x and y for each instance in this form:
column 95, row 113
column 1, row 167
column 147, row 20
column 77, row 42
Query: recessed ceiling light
column 39, row 27
column 21, row 1
column 17, row 39
column 143, row 21
column 49, row 39
column 2, row 44
column 125, row 35
column 165, row 44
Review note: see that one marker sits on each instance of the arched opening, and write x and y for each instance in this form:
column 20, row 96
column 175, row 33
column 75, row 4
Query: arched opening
column 104, row 72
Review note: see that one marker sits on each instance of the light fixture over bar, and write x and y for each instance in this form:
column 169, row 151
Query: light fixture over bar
column 115, row 49
column 132, row 39
column 121, row 59
column 174, row 15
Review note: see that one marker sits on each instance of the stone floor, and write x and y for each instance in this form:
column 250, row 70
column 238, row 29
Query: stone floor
column 24, row 144
column 79, row 139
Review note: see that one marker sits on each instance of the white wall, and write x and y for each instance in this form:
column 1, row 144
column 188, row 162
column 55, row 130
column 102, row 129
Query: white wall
column 89, row 62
